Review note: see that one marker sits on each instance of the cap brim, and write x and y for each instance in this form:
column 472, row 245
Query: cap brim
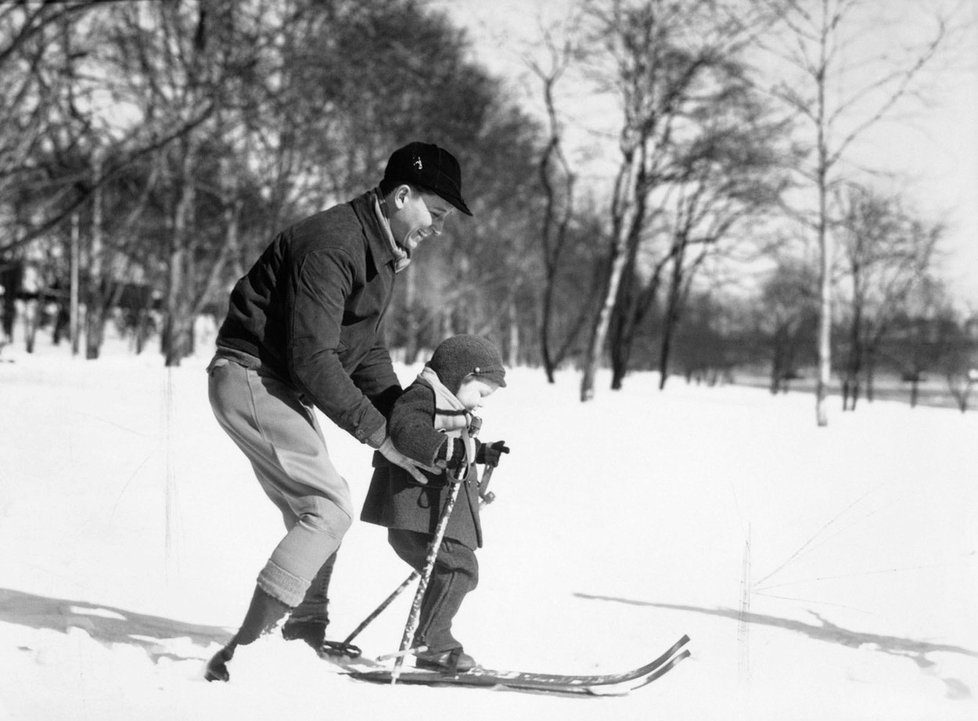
column 455, row 200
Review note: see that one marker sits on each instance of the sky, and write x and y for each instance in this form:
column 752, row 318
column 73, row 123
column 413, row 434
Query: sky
column 930, row 148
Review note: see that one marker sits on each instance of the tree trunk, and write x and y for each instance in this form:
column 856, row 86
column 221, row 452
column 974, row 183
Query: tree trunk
column 8, row 308
column 674, row 301
column 30, row 318
column 622, row 328
column 824, row 339
column 627, row 213
column 546, row 312
column 776, row 366
column 824, row 315
column 178, row 325
column 599, row 331
column 74, row 324
column 870, row 376
column 95, row 309
column 513, row 345
column 670, row 318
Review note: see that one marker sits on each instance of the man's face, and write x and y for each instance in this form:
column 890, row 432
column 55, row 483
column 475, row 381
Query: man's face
column 417, row 215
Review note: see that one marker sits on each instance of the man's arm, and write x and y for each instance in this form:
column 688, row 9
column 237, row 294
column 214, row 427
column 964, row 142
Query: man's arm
column 375, row 378
column 319, row 288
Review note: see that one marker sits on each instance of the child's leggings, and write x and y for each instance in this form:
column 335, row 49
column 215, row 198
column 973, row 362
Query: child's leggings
column 456, row 573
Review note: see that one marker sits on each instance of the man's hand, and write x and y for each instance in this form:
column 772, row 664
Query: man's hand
column 393, row 455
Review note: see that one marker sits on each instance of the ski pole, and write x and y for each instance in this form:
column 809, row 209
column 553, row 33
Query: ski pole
column 346, row 647
column 485, row 496
column 429, row 564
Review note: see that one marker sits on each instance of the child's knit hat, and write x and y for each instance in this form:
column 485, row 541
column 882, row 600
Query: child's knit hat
column 460, row 355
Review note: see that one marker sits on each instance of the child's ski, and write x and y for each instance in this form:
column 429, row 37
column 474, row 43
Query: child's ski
column 603, row 684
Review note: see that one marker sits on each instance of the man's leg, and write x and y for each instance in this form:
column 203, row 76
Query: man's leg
column 281, row 438
column 263, row 613
column 308, row 621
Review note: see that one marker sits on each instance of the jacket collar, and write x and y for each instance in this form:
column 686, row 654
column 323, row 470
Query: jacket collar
column 401, row 257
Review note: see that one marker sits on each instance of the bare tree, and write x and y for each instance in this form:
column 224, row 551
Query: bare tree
column 787, row 316
column 660, row 57
column 731, row 178
column 923, row 333
column 886, row 253
column 37, row 109
column 558, row 182
column 959, row 364
column 841, row 87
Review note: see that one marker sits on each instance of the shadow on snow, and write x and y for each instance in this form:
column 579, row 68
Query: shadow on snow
column 106, row 624
column 916, row 651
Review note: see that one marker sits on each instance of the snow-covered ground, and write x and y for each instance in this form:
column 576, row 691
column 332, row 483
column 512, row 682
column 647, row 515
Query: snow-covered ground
column 822, row 573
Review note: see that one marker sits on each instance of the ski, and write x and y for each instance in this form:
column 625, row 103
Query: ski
column 600, row 684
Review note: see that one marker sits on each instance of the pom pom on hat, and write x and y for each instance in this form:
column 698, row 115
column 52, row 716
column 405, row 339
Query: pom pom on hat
column 461, row 355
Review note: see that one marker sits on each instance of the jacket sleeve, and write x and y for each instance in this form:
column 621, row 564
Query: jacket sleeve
column 320, row 286
column 412, row 425
column 375, row 377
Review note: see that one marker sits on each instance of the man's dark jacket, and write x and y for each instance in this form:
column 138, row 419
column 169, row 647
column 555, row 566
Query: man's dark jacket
column 311, row 309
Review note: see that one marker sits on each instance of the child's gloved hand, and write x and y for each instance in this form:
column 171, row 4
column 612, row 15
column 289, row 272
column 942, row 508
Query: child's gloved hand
column 452, row 453
column 491, row 452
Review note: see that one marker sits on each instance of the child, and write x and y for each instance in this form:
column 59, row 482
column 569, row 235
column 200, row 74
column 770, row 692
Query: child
column 429, row 424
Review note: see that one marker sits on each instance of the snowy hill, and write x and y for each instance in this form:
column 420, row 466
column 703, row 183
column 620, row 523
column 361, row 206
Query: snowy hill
column 822, row 573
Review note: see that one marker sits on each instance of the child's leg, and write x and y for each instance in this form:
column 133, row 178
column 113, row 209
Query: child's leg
column 456, row 573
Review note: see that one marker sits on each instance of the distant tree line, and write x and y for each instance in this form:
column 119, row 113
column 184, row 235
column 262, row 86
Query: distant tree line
column 151, row 150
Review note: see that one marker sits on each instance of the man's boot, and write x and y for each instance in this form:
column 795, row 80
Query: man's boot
column 309, row 619
column 263, row 613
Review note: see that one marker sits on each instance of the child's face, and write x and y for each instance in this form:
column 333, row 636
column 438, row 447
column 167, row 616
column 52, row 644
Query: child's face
column 473, row 390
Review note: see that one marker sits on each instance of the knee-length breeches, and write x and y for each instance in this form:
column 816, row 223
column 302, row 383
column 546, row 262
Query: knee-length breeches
column 264, row 416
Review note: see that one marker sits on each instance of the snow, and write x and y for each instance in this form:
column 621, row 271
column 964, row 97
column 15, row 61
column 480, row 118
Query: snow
column 131, row 532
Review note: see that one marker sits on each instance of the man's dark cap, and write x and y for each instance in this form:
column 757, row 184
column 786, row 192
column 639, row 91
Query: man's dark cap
column 429, row 167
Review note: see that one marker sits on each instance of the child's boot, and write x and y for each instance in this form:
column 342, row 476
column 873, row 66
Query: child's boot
column 454, row 660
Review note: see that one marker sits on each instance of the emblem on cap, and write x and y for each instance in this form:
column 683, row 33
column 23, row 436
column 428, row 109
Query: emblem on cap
column 416, row 162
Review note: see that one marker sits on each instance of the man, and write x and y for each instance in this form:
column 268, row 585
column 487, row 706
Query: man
column 303, row 330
